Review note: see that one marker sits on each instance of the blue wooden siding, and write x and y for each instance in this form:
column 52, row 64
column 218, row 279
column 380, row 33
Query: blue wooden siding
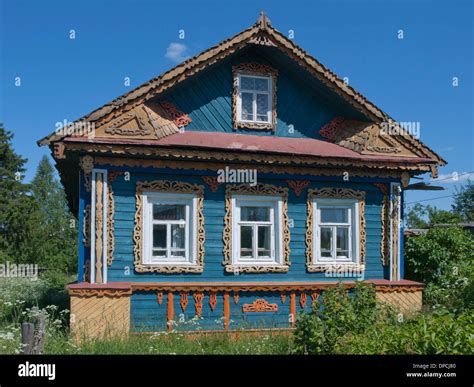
column 214, row 211
column 301, row 110
column 148, row 316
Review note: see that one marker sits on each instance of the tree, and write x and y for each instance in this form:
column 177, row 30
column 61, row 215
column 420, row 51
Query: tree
column 55, row 239
column 464, row 201
column 16, row 206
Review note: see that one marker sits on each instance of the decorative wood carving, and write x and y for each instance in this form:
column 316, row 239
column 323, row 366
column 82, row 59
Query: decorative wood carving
column 87, row 165
column 277, row 287
column 395, row 230
column 226, row 311
column 329, row 130
column 212, row 182
column 212, row 300
column 111, row 177
column 170, row 314
column 59, row 150
column 86, row 226
column 98, row 227
column 110, row 225
column 383, row 187
column 198, row 299
column 113, row 293
column 260, row 305
column 314, row 296
column 236, row 298
column 383, row 149
column 183, row 301
column 405, row 179
column 341, row 193
column 292, row 308
column 258, row 189
column 159, row 298
column 175, row 187
column 298, row 185
column 254, row 69
column 179, row 118
column 270, row 163
column 385, row 216
column 283, row 297
column 116, row 127
column 303, row 299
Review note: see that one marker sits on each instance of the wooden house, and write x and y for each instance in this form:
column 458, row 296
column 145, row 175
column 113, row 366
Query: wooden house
column 235, row 187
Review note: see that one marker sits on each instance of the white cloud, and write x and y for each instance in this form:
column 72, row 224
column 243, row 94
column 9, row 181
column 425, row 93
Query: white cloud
column 455, row 177
column 177, row 52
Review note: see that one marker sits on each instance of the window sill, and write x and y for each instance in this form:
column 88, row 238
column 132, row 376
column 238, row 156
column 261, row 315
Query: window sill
column 168, row 268
column 256, row 268
column 254, row 125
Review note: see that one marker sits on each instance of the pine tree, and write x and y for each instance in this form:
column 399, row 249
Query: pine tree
column 56, row 238
column 16, row 206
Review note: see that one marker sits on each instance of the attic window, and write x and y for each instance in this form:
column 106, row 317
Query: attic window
column 254, row 102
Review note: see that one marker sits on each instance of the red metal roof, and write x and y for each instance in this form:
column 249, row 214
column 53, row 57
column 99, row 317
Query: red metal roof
column 255, row 144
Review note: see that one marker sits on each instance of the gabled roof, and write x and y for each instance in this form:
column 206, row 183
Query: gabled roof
column 261, row 33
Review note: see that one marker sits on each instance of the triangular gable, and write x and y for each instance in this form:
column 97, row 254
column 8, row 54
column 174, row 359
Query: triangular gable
column 261, row 33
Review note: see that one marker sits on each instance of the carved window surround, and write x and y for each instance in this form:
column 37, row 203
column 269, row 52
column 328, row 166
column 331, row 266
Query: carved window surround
column 257, row 69
column 168, row 187
column 260, row 190
column 335, row 193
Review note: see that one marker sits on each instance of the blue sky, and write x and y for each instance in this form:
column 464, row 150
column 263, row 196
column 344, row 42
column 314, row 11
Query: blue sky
column 410, row 78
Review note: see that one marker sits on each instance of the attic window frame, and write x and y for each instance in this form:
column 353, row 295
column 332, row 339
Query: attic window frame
column 255, row 70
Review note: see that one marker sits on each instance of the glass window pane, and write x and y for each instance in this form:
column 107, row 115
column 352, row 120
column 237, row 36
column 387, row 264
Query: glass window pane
column 247, row 83
column 247, row 106
column 264, row 235
column 178, row 253
column 334, row 215
column 159, row 253
column 261, row 84
column 168, row 211
column 255, row 214
column 177, row 236
column 159, row 236
column 326, row 241
column 246, row 241
column 342, row 242
column 262, row 107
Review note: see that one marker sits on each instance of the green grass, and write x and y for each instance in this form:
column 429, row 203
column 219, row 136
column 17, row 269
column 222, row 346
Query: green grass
column 59, row 343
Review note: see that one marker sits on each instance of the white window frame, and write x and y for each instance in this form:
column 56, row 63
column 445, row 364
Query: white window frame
column 276, row 222
column 190, row 223
column 353, row 206
column 254, row 98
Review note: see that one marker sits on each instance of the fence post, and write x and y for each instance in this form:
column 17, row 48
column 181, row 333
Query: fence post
column 27, row 335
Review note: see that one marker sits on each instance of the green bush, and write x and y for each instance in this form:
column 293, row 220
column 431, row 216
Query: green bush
column 335, row 314
column 343, row 323
column 426, row 334
column 443, row 260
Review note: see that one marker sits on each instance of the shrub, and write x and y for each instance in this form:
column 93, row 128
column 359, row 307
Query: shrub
column 443, row 260
column 335, row 314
